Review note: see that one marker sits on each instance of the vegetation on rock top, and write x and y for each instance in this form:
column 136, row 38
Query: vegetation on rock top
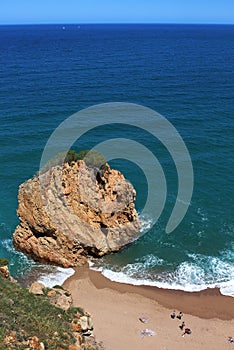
column 92, row 158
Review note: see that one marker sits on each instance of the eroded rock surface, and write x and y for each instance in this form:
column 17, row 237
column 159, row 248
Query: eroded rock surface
column 36, row 288
column 4, row 271
column 72, row 211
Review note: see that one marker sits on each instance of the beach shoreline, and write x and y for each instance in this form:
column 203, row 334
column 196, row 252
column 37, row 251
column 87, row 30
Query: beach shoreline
column 117, row 307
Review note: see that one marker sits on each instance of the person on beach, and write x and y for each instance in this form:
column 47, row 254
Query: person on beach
column 186, row 331
column 173, row 315
column 143, row 319
column 182, row 325
column 230, row 340
column 180, row 315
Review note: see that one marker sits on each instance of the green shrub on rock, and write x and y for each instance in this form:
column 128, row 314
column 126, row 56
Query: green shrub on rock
column 4, row 262
column 92, row 158
column 60, row 158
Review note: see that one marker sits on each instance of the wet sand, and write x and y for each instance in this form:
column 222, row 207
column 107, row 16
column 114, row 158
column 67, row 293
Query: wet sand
column 117, row 307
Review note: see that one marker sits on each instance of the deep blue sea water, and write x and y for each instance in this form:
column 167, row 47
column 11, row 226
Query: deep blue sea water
column 185, row 73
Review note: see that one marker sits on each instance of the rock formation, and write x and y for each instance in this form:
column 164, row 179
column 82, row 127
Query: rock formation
column 4, row 271
column 81, row 323
column 57, row 295
column 76, row 326
column 72, row 211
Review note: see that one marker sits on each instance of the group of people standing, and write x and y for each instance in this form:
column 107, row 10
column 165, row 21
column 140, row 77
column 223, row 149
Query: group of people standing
column 182, row 325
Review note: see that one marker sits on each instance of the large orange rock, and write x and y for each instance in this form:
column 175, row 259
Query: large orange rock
column 37, row 288
column 72, row 211
column 4, row 271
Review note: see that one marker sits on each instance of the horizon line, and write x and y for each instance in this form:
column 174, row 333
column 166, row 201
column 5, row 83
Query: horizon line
column 116, row 23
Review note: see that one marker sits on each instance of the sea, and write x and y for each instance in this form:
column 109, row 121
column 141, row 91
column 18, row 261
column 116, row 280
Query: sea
column 183, row 72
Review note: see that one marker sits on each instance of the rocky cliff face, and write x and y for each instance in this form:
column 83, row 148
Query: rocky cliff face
column 72, row 211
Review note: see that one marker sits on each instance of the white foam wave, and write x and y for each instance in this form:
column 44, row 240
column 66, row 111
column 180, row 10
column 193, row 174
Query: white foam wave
column 227, row 288
column 196, row 275
column 22, row 259
column 146, row 223
column 167, row 282
column 228, row 254
column 124, row 278
column 7, row 244
column 201, row 212
column 51, row 276
column 55, row 277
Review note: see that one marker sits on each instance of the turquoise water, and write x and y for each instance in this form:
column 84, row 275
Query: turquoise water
column 185, row 73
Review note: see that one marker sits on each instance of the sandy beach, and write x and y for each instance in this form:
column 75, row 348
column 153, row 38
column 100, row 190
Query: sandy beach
column 117, row 307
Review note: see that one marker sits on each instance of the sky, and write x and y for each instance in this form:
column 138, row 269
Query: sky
column 116, row 11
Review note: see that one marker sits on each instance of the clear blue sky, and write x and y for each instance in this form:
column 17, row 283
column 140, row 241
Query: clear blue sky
column 116, row 11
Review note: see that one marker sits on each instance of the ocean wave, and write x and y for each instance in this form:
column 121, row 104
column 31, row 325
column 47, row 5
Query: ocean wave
column 27, row 268
column 202, row 214
column 199, row 273
column 146, row 223
column 57, row 276
column 17, row 259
